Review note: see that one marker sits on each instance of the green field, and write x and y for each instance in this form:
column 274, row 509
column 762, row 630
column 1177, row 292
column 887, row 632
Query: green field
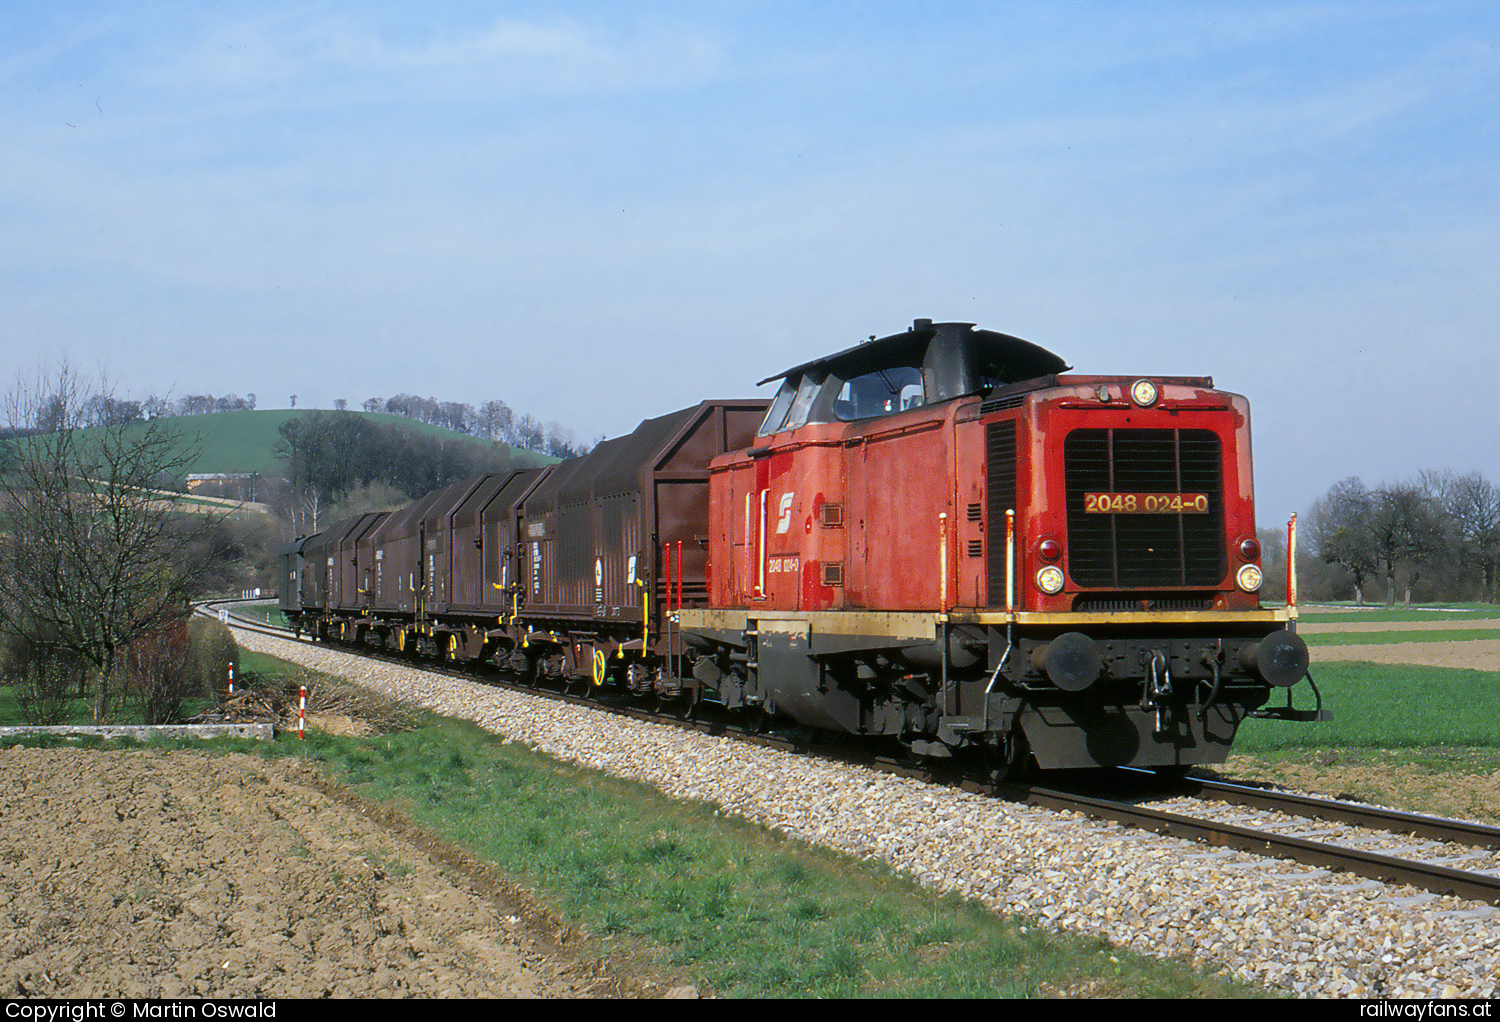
column 1391, row 706
column 1387, row 706
column 245, row 442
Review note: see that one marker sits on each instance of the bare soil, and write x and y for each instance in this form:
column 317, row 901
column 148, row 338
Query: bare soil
column 156, row 874
column 1472, row 654
column 1380, row 777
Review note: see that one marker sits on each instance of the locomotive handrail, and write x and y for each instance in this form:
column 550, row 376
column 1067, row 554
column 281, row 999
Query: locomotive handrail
column 1291, row 567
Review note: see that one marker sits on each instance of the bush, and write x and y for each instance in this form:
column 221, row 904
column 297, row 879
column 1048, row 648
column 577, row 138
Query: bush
column 213, row 650
column 47, row 679
column 159, row 674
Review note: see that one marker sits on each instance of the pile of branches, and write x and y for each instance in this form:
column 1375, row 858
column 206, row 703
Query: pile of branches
column 248, row 706
column 335, row 705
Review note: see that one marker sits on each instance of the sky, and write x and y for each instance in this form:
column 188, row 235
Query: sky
column 602, row 212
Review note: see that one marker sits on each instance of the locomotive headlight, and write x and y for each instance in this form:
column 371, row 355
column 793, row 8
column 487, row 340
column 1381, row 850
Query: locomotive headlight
column 1143, row 393
column 1248, row 578
column 1050, row 580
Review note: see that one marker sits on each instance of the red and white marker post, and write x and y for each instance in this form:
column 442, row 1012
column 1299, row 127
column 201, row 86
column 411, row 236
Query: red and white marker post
column 302, row 715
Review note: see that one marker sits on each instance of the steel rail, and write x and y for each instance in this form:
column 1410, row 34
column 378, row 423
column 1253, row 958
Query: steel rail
column 1429, row 877
column 1438, row 828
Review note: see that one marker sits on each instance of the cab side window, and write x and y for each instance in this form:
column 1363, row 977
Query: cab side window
column 882, row 392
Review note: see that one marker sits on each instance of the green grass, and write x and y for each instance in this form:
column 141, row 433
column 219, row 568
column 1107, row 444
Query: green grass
column 81, row 711
column 255, row 668
column 1387, row 706
column 270, row 613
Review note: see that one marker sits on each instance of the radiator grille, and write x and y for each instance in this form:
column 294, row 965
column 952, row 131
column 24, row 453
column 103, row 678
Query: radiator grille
column 1136, row 550
column 1092, row 603
column 1000, row 489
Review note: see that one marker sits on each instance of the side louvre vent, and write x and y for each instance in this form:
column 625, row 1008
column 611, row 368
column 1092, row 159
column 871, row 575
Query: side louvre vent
column 1000, row 495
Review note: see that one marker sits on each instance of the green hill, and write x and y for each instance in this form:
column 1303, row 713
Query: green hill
column 245, row 442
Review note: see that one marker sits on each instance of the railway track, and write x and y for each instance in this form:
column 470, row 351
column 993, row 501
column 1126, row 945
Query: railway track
column 1278, row 827
column 1442, row 856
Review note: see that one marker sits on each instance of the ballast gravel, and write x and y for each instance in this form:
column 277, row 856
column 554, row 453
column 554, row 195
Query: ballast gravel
column 1302, row 929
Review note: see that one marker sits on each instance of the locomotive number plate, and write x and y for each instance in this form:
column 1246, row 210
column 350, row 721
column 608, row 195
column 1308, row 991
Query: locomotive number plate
column 1145, row 503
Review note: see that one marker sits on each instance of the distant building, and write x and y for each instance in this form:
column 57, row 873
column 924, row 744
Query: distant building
column 234, row 485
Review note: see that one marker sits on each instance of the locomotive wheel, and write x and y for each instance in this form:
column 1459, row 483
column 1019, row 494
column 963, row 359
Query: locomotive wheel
column 754, row 719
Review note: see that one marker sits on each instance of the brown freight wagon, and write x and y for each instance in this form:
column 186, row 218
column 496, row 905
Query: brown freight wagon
column 394, row 553
column 323, row 580
column 613, row 541
column 468, row 564
column 437, row 546
column 353, row 576
column 483, row 538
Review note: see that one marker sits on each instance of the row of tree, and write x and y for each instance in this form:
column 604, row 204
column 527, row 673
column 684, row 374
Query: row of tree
column 55, row 412
column 331, row 457
column 493, row 420
column 1433, row 538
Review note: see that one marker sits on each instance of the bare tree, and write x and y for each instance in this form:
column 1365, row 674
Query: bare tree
column 1406, row 535
column 1339, row 526
column 93, row 556
column 1470, row 506
column 495, row 418
column 530, row 433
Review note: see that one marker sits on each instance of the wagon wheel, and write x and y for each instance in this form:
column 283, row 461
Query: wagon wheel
column 679, row 706
column 686, row 705
column 1009, row 759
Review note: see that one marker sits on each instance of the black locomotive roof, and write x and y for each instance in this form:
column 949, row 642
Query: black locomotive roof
column 961, row 359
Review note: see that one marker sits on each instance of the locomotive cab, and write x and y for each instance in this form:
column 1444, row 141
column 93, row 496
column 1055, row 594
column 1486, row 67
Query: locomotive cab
column 924, row 366
column 939, row 537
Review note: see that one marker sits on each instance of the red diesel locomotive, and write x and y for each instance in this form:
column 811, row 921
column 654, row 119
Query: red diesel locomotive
column 932, row 536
